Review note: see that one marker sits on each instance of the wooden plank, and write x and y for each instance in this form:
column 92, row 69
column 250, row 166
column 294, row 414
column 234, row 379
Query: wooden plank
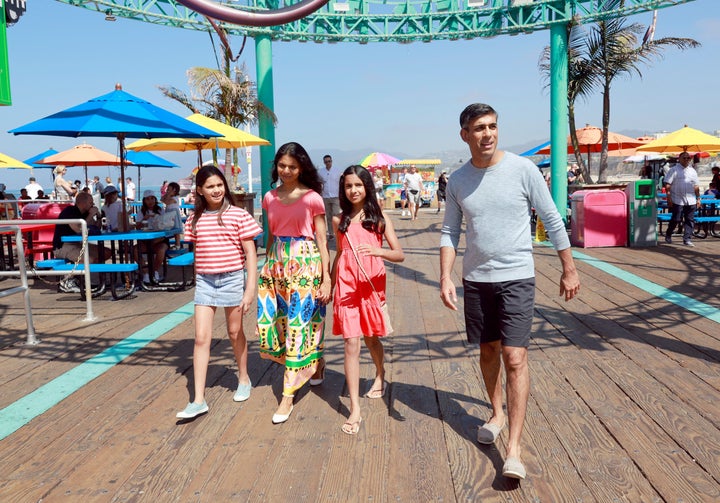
column 627, row 422
column 417, row 436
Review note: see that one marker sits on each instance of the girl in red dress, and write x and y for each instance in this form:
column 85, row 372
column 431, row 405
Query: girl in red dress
column 358, row 277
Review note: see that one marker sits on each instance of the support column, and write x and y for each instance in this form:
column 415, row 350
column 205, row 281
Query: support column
column 559, row 116
column 266, row 128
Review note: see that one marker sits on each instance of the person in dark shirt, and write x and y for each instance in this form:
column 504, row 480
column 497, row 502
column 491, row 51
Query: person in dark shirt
column 84, row 208
column 442, row 185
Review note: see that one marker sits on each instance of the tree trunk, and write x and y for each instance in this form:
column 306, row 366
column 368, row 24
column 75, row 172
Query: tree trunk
column 576, row 145
column 228, row 169
column 602, row 173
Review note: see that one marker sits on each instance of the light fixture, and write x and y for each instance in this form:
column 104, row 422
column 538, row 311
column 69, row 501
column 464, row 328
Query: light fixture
column 109, row 15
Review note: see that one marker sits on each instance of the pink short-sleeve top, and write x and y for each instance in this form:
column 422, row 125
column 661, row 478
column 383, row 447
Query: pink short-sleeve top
column 295, row 219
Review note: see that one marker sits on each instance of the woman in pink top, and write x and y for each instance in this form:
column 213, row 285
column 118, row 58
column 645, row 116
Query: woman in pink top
column 294, row 283
column 224, row 252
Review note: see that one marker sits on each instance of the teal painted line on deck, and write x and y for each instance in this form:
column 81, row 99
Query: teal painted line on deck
column 692, row 305
column 19, row 413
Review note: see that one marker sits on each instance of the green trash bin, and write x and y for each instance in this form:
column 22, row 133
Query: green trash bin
column 642, row 213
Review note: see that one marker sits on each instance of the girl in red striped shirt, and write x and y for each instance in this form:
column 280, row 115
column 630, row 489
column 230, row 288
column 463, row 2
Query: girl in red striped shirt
column 224, row 252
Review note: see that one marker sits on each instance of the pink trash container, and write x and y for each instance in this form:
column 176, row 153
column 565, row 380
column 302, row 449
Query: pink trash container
column 599, row 218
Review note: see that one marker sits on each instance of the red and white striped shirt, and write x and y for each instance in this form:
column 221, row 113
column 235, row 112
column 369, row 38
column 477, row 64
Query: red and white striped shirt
column 218, row 248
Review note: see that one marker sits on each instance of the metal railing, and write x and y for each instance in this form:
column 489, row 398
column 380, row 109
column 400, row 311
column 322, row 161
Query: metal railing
column 23, row 288
column 22, row 272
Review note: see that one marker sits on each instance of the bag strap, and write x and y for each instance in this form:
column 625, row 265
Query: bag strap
column 357, row 258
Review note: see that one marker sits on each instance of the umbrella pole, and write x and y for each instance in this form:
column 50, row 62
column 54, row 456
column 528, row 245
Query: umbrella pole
column 588, row 168
column 121, row 139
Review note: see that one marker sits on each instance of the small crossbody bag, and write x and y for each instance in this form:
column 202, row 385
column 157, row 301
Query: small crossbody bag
column 383, row 305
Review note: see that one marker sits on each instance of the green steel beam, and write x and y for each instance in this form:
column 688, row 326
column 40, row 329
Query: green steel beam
column 559, row 116
column 403, row 21
column 266, row 128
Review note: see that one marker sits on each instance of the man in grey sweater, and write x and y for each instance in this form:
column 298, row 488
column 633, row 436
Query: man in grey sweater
column 494, row 192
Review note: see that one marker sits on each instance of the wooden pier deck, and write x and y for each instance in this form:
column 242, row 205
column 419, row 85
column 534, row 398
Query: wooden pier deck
column 624, row 401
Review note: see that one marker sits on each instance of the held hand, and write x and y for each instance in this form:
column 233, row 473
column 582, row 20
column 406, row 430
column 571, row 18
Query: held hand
column 448, row 294
column 323, row 294
column 569, row 285
column 246, row 302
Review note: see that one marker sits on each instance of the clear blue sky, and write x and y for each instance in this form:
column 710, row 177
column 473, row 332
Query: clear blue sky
column 345, row 98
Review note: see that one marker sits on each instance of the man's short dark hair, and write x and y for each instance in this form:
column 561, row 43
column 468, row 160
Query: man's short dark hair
column 474, row 111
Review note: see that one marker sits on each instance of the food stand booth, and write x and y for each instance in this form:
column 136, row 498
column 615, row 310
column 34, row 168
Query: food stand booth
column 393, row 186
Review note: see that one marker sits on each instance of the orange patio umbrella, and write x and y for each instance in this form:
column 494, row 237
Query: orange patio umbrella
column 82, row 155
column 590, row 140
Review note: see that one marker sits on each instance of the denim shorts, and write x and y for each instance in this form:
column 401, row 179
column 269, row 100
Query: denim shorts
column 224, row 289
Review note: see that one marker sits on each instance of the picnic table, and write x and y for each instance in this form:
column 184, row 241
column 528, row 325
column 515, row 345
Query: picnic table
column 122, row 246
column 7, row 260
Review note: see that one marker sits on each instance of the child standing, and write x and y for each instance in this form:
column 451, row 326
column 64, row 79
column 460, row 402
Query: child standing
column 294, row 283
column 358, row 275
column 223, row 236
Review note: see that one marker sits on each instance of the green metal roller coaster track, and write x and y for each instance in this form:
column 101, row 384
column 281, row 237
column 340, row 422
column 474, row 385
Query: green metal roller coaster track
column 364, row 21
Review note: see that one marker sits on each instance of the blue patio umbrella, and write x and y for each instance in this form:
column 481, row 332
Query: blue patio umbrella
column 148, row 160
column 118, row 115
column 32, row 161
column 534, row 150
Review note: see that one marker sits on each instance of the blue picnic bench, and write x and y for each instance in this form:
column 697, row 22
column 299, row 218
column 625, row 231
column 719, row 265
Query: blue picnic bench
column 706, row 218
column 127, row 271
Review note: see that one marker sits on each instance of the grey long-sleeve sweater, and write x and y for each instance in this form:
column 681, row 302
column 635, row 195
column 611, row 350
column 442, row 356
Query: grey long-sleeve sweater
column 496, row 203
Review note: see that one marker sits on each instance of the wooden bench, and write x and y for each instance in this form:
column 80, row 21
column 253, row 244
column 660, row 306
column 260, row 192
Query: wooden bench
column 127, row 271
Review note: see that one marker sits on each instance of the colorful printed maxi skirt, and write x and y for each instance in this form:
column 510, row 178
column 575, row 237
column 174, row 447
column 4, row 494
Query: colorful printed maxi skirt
column 290, row 321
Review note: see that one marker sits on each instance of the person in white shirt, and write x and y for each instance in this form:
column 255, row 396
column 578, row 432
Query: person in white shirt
column 331, row 181
column 683, row 197
column 32, row 188
column 413, row 187
column 112, row 207
column 129, row 189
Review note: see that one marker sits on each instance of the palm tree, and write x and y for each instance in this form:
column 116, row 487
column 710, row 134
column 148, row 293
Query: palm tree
column 620, row 51
column 227, row 95
column 595, row 58
column 582, row 81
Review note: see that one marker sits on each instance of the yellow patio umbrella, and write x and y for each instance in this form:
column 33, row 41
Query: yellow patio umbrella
column 228, row 137
column 685, row 139
column 11, row 163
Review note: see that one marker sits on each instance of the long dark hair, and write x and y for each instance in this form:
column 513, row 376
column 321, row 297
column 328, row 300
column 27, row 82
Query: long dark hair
column 145, row 209
column 373, row 219
column 200, row 204
column 309, row 176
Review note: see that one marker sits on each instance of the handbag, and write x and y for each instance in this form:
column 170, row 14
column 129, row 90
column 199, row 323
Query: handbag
column 383, row 305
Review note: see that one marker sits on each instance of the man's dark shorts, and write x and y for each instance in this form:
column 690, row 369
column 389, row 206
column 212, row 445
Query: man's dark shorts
column 499, row 311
